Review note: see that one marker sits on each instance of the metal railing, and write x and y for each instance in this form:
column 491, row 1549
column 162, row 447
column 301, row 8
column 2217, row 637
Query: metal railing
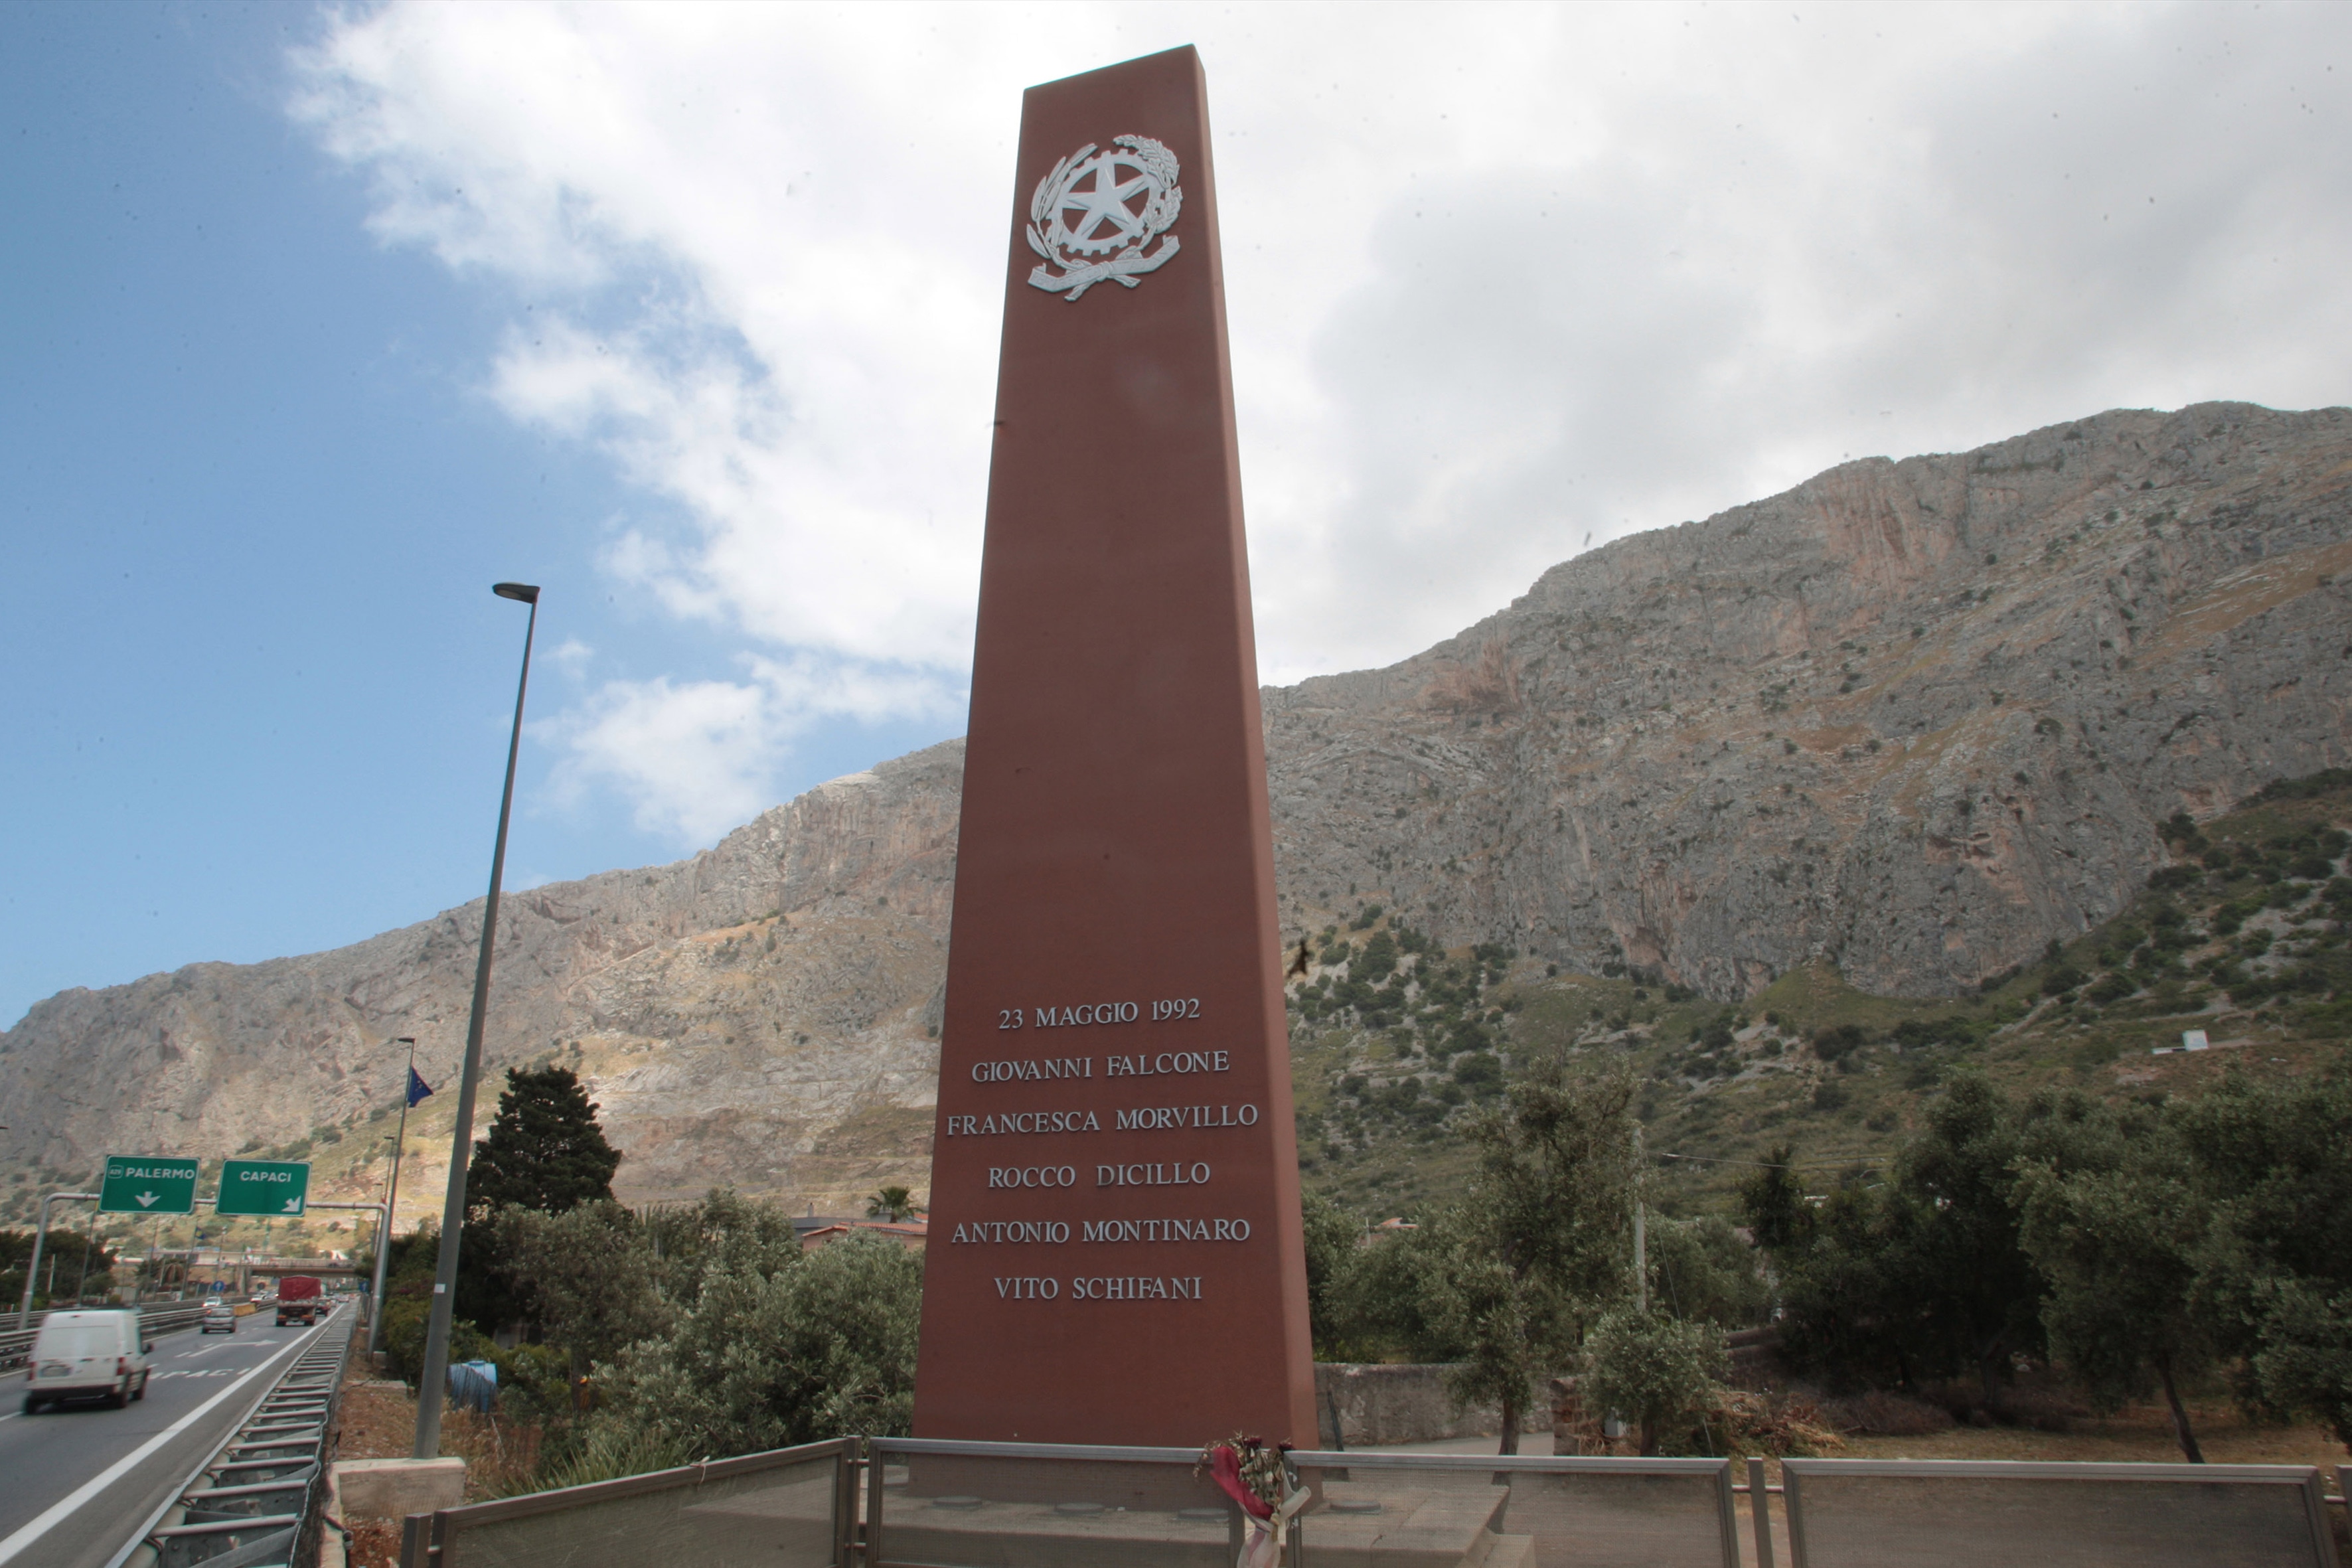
column 16, row 1344
column 1015, row 1503
column 254, row 1503
column 789, row 1508
column 1888, row 1513
column 903, row 1502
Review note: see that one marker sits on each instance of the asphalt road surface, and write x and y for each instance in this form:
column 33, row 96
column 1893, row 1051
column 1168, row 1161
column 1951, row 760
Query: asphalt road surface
column 76, row 1483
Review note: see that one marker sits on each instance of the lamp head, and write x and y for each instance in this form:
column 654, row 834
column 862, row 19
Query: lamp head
column 526, row 591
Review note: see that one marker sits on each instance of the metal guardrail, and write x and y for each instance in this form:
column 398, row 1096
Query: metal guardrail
column 16, row 1344
column 254, row 1502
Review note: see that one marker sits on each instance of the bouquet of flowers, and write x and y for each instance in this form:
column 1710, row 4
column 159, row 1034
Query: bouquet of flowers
column 1257, row 1474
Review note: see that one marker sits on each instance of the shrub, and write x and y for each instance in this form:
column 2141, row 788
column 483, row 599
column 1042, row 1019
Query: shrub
column 2060, row 980
column 1479, row 1072
column 1831, row 1044
column 2112, row 989
column 1656, row 1372
column 824, row 1347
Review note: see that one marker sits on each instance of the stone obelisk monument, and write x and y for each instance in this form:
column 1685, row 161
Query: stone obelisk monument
column 1115, row 1253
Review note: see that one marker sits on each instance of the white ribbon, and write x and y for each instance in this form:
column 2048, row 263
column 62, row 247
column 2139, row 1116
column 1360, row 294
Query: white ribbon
column 1263, row 1547
column 1121, row 269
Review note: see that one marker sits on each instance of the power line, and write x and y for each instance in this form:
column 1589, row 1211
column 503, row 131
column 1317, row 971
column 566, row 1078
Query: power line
column 1766, row 1166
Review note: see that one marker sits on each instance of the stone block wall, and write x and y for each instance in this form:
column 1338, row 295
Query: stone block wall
column 1377, row 1405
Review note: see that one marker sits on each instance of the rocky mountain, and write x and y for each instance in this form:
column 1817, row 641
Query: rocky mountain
column 1908, row 722
column 1911, row 718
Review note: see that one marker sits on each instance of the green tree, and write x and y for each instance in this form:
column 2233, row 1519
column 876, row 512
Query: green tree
column 822, row 1347
column 2305, row 1362
column 592, row 1273
column 1331, row 1268
column 1977, row 1295
column 1774, row 1201
column 544, row 1150
column 2116, row 1229
column 1657, row 1371
column 1924, row 1276
column 1396, row 1294
column 2272, row 1159
column 725, row 1233
column 1542, row 1242
column 1701, row 1270
column 63, row 1264
column 892, row 1204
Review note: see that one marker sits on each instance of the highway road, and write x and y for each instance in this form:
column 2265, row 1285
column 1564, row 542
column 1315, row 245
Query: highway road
column 76, row 1483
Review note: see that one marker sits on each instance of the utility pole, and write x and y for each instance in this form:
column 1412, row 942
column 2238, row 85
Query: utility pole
column 32, row 1268
column 1640, row 1238
column 89, row 1242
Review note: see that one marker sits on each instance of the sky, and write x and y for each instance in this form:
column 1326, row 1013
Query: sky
column 314, row 322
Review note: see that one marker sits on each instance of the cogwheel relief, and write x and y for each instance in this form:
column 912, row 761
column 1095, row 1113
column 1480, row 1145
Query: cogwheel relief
column 1098, row 213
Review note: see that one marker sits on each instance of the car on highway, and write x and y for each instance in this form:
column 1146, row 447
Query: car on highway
column 87, row 1356
column 219, row 1318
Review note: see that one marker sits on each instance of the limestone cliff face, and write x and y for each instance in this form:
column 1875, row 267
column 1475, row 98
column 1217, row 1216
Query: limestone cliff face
column 760, row 1014
column 1914, row 717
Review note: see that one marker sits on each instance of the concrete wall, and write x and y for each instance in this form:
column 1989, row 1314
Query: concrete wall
column 1377, row 1405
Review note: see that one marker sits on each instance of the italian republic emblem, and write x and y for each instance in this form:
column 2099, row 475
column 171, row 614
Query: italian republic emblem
column 1094, row 214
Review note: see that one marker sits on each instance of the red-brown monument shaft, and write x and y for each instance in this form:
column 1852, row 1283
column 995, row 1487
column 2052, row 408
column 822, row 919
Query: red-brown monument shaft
column 1115, row 1252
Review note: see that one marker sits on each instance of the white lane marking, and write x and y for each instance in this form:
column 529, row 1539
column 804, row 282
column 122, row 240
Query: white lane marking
column 207, row 1348
column 14, row 1547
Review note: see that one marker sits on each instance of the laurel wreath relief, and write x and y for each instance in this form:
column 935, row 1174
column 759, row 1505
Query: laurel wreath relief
column 1075, row 253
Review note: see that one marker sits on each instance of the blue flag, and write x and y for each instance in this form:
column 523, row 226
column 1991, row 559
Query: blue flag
column 417, row 1088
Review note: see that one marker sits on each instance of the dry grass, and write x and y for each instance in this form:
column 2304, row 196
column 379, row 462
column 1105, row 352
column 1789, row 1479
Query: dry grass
column 372, row 1543
column 377, row 1420
column 2136, row 1435
column 2139, row 1433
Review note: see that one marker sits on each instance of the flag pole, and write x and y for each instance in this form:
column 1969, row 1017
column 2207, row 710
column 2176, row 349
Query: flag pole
column 391, row 1196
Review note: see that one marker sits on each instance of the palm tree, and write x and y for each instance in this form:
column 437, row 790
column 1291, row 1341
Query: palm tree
column 893, row 1203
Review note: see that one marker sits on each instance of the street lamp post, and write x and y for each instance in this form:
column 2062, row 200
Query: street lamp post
column 430, row 1391
column 391, row 1196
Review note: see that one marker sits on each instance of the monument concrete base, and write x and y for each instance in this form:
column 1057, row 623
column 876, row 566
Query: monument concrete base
column 1409, row 1527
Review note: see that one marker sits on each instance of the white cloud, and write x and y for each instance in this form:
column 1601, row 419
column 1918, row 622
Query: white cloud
column 1501, row 278
column 695, row 757
column 572, row 656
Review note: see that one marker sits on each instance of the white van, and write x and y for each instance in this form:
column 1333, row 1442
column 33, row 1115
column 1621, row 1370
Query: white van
column 87, row 1356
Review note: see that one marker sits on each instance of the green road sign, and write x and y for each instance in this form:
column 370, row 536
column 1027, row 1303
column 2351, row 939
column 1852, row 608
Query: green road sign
column 140, row 1184
column 277, row 1187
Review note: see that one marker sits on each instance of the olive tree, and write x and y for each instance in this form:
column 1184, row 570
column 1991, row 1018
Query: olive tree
column 1541, row 1245
column 1659, row 1373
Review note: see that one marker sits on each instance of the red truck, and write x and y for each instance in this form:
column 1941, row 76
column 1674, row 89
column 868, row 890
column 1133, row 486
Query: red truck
column 299, row 1301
